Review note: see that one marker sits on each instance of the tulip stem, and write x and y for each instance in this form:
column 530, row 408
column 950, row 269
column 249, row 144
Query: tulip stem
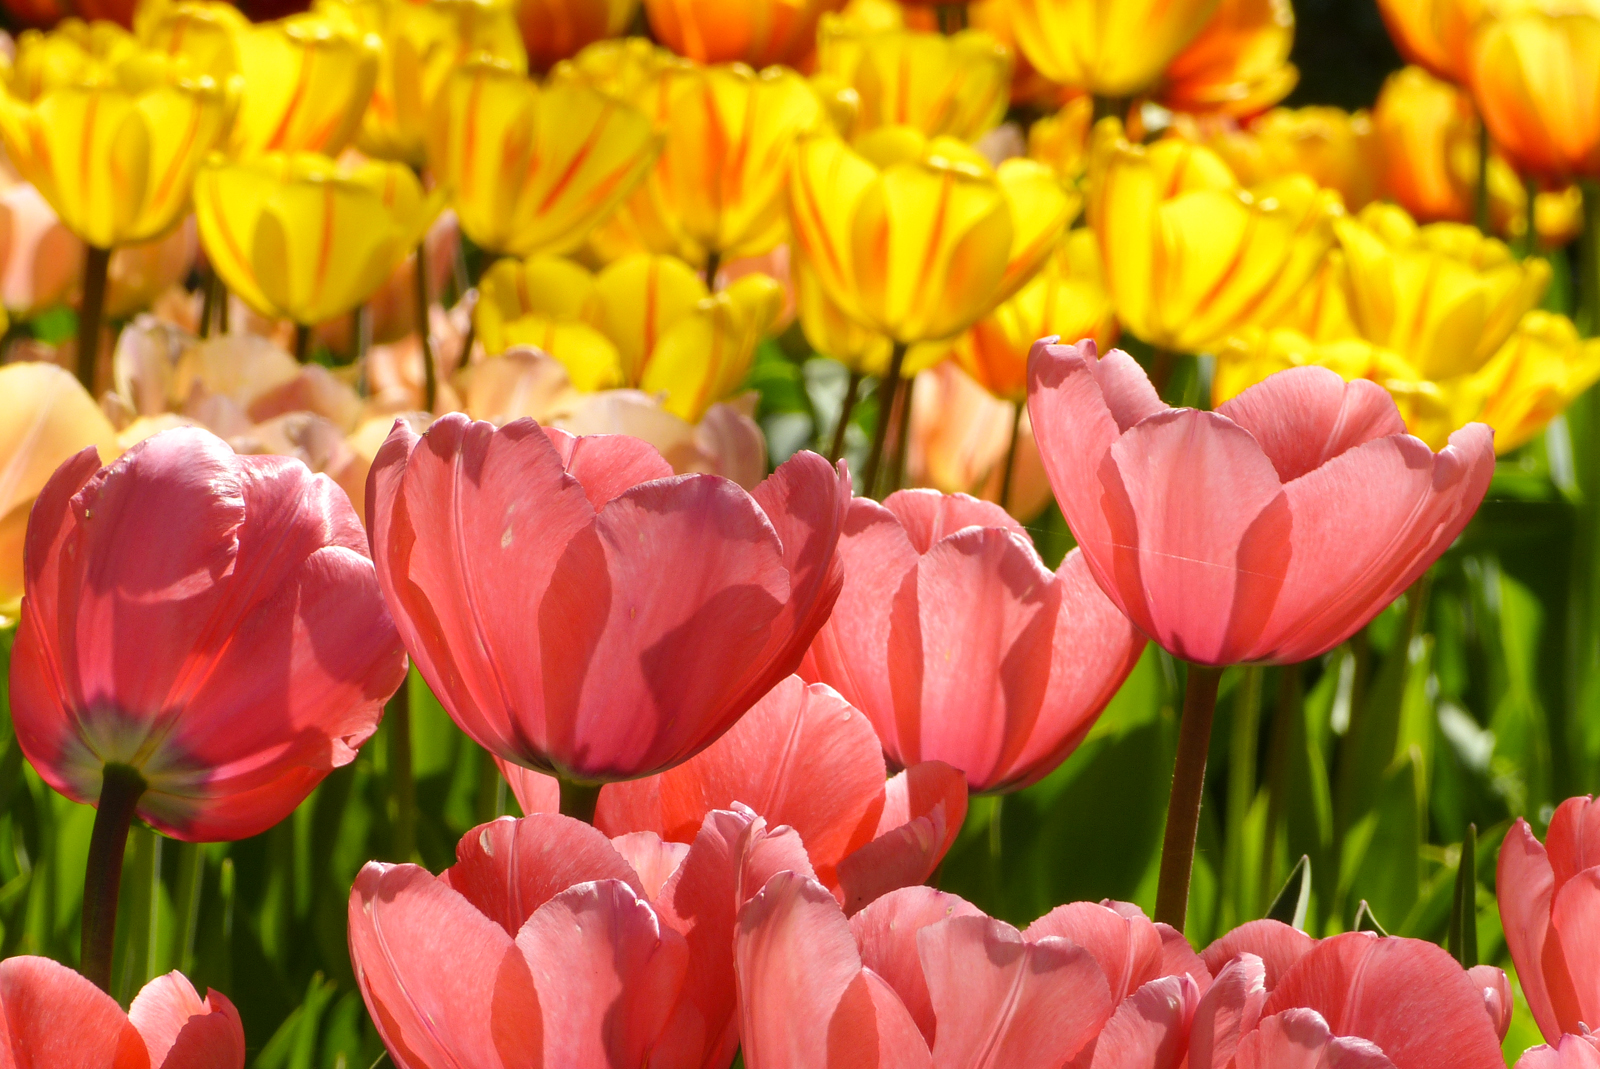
column 902, row 433
column 578, row 800
column 430, row 374
column 1480, row 203
column 846, row 407
column 1528, row 243
column 1287, row 708
column 888, row 388
column 1161, row 364
column 952, row 18
column 302, row 343
column 1188, row 784
column 120, row 788
column 96, row 268
column 208, row 306
column 1110, row 108
column 398, row 717
column 713, row 265
column 1011, row 457
column 1588, row 316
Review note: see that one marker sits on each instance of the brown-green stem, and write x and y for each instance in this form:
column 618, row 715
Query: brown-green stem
column 96, row 269
column 120, row 790
column 888, row 388
column 302, row 343
column 430, row 374
column 579, row 799
column 1188, row 784
column 397, row 717
column 1011, row 456
column 846, row 407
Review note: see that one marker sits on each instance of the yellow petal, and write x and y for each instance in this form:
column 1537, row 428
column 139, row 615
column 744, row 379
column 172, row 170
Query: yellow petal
column 307, row 82
column 1110, row 48
column 1538, row 372
column 637, row 300
column 704, row 356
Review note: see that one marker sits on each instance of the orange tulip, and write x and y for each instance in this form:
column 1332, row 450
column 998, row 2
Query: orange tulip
column 1433, row 34
column 554, row 30
column 757, row 32
column 1238, row 65
column 1337, row 148
column 1536, row 77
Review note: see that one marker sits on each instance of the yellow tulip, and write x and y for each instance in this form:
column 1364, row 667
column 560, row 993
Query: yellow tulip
column 625, row 68
column 307, row 83
column 757, row 32
column 1337, row 148
column 202, row 35
column 1539, row 371
column 1536, row 79
column 717, row 189
column 1239, row 63
column 1062, row 140
column 1067, row 297
column 956, row 86
column 554, row 30
column 299, row 237
column 422, row 44
column 1190, row 257
column 1443, row 296
column 115, row 155
column 530, row 169
column 74, row 53
column 45, row 417
column 919, row 239
column 645, row 321
column 1321, row 310
column 1111, row 48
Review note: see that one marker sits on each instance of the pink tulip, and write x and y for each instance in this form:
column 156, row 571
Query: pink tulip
column 579, row 609
column 1275, row 944
column 1569, row 1052
column 1550, row 908
column 960, row 645
column 1269, row 530
column 210, row 621
column 52, row 1018
column 546, row 943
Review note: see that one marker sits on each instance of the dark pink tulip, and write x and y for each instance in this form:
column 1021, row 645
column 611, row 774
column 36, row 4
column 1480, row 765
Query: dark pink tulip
column 1569, row 1052
column 579, row 609
column 1269, row 530
column 52, row 1018
column 549, row 944
column 1550, row 909
column 209, row 620
column 961, row 646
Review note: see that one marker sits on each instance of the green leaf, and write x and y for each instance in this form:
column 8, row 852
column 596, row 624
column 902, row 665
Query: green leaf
column 1462, row 941
column 1366, row 922
column 1293, row 901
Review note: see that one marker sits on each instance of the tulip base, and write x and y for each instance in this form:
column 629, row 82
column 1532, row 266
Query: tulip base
column 1188, row 783
column 96, row 271
column 120, row 790
column 578, row 800
column 430, row 374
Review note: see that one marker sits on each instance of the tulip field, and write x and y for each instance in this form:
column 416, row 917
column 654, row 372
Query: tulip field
column 799, row 534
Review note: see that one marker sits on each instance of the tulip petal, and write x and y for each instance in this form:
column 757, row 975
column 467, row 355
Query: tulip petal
column 509, row 868
column 1496, row 990
column 886, row 933
column 1525, row 890
column 929, row 516
column 54, row 1017
column 923, row 811
column 1573, row 841
column 181, row 1031
column 1127, row 948
column 1001, row 1001
column 1227, row 1011
column 535, row 792
column 1575, row 921
column 653, row 859
column 764, row 852
column 1409, row 997
column 1177, row 956
column 607, row 464
column 872, row 1028
column 1150, row 1028
column 1569, row 1052
column 1306, row 416
column 1277, row 945
column 1299, row 1039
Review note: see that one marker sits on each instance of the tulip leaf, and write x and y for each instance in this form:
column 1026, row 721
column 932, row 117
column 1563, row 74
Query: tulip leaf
column 1295, row 898
column 1462, row 940
column 1366, row 922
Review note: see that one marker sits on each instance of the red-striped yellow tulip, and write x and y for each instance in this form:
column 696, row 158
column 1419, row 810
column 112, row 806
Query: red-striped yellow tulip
column 74, row 53
column 919, row 239
column 307, row 81
column 833, row 333
column 757, row 32
column 115, row 154
column 1443, row 296
column 1337, row 148
column 1062, row 140
column 956, row 86
column 553, row 30
column 203, row 35
column 1111, row 48
column 1238, row 65
column 533, row 169
column 1537, row 373
column 1190, row 256
column 300, row 237
column 1536, row 78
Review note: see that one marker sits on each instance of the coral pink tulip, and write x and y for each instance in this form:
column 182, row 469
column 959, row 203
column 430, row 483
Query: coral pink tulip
column 547, row 943
column 579, row 609
column 207, row 623
column 1569, row 1052
column 52, row 1018
column 1269, row 530
column 1550, row 908
column 961, row 646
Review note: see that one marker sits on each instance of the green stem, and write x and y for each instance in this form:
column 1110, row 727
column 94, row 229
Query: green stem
column 430, row 374
column 96, row 269
column 208, row 306
column 888, row 389
column 398, row 717
column 120, row 789
column 1188, row 784
column 1287, row 707
column 302, row 343
column 1011, row 457
column 1242, row 786
column 846, row 407
column 952, row 18
column 902, row 434
column 1480, row 203
column 1111, row 108
column 713, row 265
column 579, row 799
column 1588, row 315
column 191, row 883
column 1528, row 242
column 1161, row 365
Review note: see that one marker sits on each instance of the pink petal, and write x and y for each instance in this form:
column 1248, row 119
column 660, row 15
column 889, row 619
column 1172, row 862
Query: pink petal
column 1496, row 991
column 886, row 933
column 1228, row 1010
column 608, row 974
column 1525, row 890
column 1197, row 537
column 1306, row 416
column 924, row 807
column 1001, row 1001
column 929, row 516
column 794, row 958
column 1575, row 921
column 1299, row 1039
column 182, row 1032
column 1150, row 1028
column 51, row 1016
column 1179, row 959
column 1127, row 948
column 1573, row 840
column 968, row 655
column 649, row 674
column 534, row 791
column 871, row 1028
column 1366, row 525
column 444, row 984
column 851, row 650
column 652, row 859
column 1409, row 997
column 509, row 868
column 1569, row 1052
column 1277, row 945
column 764, row 852
column 607, row 464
